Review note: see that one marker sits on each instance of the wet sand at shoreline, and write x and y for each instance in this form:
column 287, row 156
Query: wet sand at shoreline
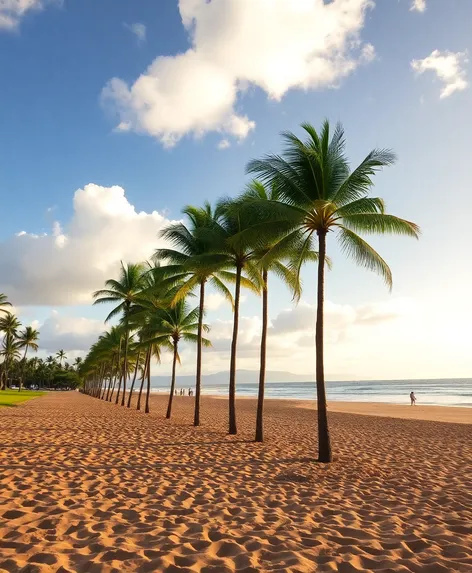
column 88, row 486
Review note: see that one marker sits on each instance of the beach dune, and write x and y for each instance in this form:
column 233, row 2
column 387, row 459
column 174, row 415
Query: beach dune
column 88, row 486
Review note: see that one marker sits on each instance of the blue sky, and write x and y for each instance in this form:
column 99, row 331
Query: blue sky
column 59, row 135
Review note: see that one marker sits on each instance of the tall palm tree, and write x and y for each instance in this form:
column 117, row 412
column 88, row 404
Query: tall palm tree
column 28, row 338
column 124, row 291
column 225, row 249
column 257, row 194
column 175, row 324
column 9, row 325
column 145, row 317
column 61, row 355
column 191, row 267
column 320, row 194
column 4, row 302
column 77, row 362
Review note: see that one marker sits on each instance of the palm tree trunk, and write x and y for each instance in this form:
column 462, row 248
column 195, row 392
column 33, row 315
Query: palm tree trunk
column 147, row 409
column 198, row 381
column 324, row 445
column 148, row 354
column 125, row 366
column 23, row 370
column 172, row 384
column 118, row 389
column 134, row 380
column 262, row 373
column 115, row 377
column 232, row 368
column 103, row 384
column 111, row 378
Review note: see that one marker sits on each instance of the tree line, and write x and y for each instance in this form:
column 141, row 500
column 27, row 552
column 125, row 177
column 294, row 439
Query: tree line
column 16, row 369
column 277, row 225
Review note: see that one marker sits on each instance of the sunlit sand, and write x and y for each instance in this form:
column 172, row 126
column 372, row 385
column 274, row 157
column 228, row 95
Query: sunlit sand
column 89, row 486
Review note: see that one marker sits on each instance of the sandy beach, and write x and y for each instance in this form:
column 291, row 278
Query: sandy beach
column 88, row 486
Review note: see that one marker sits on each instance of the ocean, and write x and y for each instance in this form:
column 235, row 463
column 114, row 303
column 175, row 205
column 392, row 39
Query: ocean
column 447, row 392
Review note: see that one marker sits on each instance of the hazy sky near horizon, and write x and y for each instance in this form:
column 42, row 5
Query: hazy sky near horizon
column 115, row 114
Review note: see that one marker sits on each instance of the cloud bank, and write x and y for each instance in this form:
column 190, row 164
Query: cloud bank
column 64, row 266
column 275, row 45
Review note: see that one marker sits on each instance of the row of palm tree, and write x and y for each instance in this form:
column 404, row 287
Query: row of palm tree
column 151, row 320
column 280, row 223
column 16, row 343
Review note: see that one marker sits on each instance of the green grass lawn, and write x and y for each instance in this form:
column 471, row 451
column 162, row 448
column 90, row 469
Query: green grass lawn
column 13, row 397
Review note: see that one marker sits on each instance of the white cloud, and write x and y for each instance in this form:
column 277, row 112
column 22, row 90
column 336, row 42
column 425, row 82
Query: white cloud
column 224, row 144
column 11, row 11
column 449, row 68
column 360, row 341
column 139, row 30
column 418, row 5
column 276, row 45
column 67, row 264
column 73, row 334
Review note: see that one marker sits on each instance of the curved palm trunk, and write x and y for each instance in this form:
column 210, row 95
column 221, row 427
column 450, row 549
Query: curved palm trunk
column 232, row 368
column 172, row 384
column 198, row 381
column 147, row 409
column 134, row 380
column 324, row 445
column 146, row 362
column 112, row 389
column 110, row 381
column 262, row 373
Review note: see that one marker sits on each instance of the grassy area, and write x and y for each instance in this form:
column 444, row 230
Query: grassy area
column 13, row 397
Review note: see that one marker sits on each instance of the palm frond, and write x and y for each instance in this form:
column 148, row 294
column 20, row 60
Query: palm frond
column 364, row 255
column 382, row 224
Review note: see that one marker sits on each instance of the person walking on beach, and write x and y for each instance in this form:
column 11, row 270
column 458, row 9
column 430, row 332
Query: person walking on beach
column 413, row 399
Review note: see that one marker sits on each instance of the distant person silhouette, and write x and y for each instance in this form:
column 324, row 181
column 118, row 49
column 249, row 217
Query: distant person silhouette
column 413, row 399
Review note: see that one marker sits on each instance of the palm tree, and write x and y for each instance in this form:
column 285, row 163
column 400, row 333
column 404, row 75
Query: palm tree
column 27, row 339
column 224, row 250
column 178, row 323
column 320, row 193
column 4, row 302
column 125, row 291
column 77, row 362
column 190, row 265
column 9, row 324
column 257, row 194
column 61, row 355
column 145, row 317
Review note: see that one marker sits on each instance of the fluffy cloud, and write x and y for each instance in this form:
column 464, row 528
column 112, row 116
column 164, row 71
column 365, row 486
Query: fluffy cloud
column 351, row 332
column 73, row 334
column 418, row 6
column 276, row 45
column 11, row 11
column 449, row 68
column 66, row 265
column 295, row 327
column 139, row 30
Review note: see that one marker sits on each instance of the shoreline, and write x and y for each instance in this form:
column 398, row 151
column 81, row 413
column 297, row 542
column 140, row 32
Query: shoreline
column 432, row 413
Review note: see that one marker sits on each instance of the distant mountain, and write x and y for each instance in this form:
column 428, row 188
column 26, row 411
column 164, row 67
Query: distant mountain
column 243, row 377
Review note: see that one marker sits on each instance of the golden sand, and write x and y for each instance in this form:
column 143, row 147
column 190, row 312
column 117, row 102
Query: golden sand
column 88, row 486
